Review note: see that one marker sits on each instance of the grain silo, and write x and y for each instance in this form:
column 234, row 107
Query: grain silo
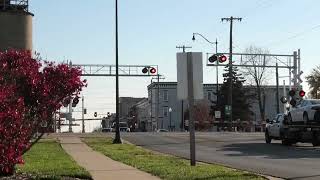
column 15, row 25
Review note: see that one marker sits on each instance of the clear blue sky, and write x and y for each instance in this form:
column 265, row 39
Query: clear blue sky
column 149, row 30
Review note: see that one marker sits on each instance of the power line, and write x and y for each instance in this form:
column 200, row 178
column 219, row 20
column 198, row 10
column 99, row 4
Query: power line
column 294, row 36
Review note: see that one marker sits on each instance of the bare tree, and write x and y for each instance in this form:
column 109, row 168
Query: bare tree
column 256, row 76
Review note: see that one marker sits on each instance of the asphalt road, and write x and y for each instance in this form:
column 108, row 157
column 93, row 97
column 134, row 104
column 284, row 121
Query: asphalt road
column 246, row 151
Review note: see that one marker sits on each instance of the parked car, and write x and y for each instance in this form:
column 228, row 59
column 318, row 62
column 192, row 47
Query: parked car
column 306, row 112
column 106, row 130
column 162, row 130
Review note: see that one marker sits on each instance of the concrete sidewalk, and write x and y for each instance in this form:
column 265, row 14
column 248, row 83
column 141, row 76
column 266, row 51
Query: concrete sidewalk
column 98, row 165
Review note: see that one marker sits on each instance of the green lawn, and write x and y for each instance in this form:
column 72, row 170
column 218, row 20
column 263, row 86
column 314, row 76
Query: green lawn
column 164, row 166
column 47, row 160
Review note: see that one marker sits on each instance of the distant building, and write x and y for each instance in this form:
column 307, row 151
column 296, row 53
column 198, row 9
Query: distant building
column 125, row 105
column 168, row 99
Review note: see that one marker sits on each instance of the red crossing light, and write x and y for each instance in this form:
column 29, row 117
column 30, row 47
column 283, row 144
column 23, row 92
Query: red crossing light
column 153, row 70
column 222, row 58
column 302, row 93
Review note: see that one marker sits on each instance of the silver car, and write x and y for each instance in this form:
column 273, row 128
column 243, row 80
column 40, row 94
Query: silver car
column 306, row 112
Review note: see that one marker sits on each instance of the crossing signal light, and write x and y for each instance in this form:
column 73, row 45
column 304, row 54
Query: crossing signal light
column 95, row 114
column 75, row 101
column 223, row 58
column 152, row 70
column 213, row 58
column 145, row 70
column 292, row 92
column 302, row 93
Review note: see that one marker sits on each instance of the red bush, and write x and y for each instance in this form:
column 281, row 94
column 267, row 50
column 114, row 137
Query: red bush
column 30, row 92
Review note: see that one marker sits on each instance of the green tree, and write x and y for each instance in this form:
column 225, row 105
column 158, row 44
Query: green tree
column 240, row 106
column 314, row 82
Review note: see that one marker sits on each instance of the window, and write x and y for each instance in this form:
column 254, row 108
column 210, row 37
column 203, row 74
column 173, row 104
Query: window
column 165, row 95
column 165, row 111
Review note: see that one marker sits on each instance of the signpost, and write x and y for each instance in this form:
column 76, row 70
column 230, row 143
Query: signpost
column 190, row 87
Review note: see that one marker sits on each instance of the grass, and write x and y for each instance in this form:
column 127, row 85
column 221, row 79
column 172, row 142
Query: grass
column 164, row 166
column 47, row 160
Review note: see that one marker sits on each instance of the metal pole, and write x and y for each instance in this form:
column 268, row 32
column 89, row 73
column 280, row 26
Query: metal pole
column 83, row 127
column 70, row 117
column 158, row 102
column 191, row 102
column 217, row 75
column 277, row 92
column 151, row 87
column 117, row 139
column 230, row 75
column 295, row 69
column 284, row 94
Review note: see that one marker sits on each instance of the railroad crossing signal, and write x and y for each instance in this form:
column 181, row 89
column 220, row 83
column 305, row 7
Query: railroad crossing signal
column 222, row 58
column 297, row 77
column 152, row 70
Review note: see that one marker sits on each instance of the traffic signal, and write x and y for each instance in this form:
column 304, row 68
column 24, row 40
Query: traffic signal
column 223, row 58
column 292, row 93
column 75, row 101
column 95, row 114
column 302, row 93
column 213, row 58
column 66, row 101
column 151, row 70
column 284, row 99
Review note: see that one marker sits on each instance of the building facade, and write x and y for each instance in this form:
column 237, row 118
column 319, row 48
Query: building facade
column 163, row 101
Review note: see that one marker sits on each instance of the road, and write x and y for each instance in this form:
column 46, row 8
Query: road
column 246, row 151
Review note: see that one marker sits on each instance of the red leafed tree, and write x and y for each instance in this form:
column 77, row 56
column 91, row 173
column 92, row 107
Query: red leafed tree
column 30, row 92
column 202, row 118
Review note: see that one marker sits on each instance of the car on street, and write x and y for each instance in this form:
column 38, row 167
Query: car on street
column 274, row 127
column 162, row 130
column 106, row 130
column 306, row 112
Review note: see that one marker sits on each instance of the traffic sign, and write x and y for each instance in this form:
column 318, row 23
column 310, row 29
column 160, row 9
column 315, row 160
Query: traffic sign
column 217, row 114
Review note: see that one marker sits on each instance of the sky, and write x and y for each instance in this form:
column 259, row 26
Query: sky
column 149, row 31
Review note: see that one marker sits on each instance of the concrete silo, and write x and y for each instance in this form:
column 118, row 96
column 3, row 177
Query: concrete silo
column 16, row 25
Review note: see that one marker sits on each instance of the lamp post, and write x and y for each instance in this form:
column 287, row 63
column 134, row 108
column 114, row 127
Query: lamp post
column 170, row 127
column 117, row 139
column 217, row 76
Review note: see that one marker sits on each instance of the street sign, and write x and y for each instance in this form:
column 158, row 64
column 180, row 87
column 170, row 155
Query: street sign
column 217, row 114
column 182, row 75
column 227, row 110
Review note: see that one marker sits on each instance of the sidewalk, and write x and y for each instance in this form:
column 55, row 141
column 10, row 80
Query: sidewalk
column 98, row 165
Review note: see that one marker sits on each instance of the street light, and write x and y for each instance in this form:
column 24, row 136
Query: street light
column 170, row 110
column 216, row 44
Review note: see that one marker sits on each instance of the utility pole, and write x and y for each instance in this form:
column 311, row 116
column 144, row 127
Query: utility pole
column 83, row 127
column 231, row 19
column 182, row 108
column 217, row 75
column 183, row 48
column 117, row 139
column 277, row 92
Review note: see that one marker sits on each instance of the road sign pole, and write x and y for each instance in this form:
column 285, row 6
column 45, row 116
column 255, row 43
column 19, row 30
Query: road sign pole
column 191, row 102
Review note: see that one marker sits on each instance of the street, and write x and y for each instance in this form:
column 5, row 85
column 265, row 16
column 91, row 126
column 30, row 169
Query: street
column 246, row 151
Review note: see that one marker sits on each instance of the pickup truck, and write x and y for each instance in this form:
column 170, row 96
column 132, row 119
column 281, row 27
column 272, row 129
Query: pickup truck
column 281, row 128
